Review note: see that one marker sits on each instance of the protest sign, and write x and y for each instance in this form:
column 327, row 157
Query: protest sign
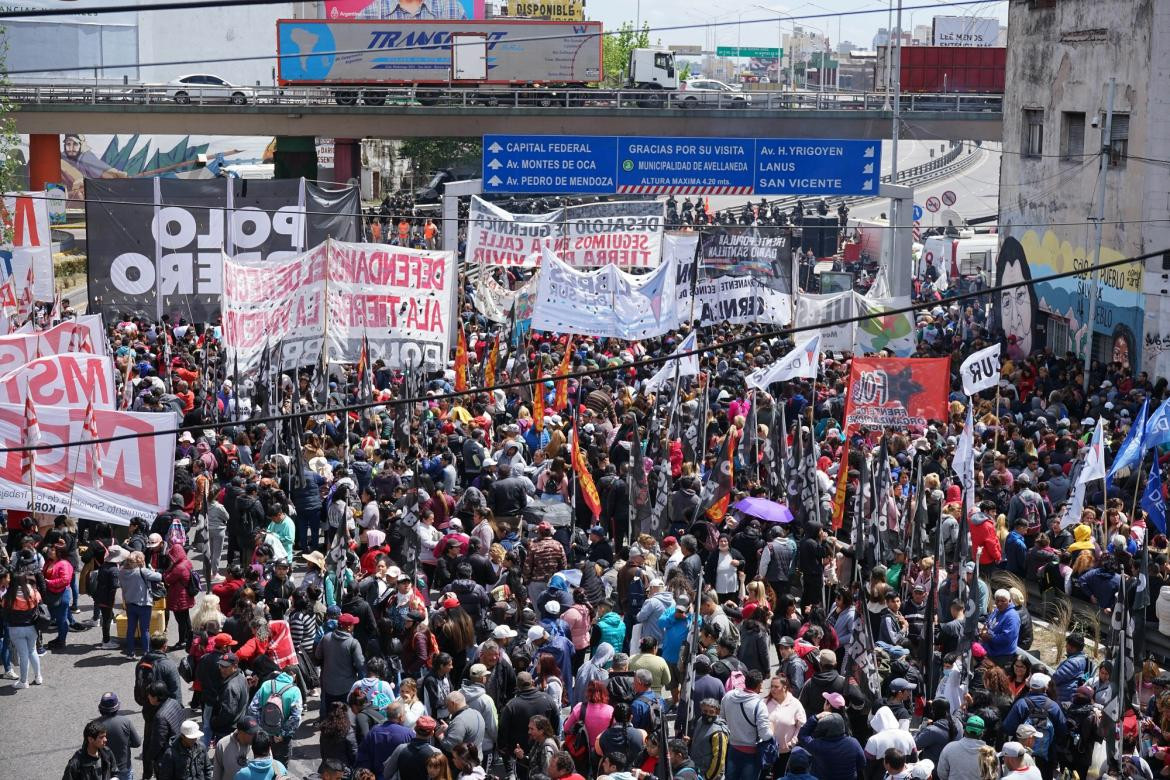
column 897, row 392
column 744, row 276
column 68, row 380
column 893, row 333
column 29, row 256
column 85, row 334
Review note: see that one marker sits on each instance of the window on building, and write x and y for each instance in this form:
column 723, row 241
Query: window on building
column 1033, row 141
column 1058, row 335
column 1072, row 136
column 1118, row 140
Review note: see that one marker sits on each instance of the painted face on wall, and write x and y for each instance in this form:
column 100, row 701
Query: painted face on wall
column 1016, row 307
column 1121, row 350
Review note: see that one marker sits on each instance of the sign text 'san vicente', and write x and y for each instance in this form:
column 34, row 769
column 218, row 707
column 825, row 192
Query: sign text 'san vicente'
column 137, row 473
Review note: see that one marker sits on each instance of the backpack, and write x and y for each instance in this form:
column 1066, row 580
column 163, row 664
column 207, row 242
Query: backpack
column 272, row 713
column 228, row 462
column 144, row 675
column 655, row 714
column 194, row 584
column 636, row 593
column 432, row 647
column 774, row 574
column 1031, row 514
column 1037, row 717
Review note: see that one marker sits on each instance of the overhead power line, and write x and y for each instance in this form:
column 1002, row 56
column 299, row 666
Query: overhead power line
column 649, row 361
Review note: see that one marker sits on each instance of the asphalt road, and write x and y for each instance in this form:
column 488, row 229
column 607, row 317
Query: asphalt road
column 42, row 725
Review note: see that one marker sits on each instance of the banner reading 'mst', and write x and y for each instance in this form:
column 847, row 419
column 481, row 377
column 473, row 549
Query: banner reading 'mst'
column 897, row 392
column 137, row 473
column 194, row 222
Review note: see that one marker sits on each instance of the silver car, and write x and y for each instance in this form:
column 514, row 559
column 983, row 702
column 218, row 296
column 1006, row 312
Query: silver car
column 709, row 92
column 205, row 88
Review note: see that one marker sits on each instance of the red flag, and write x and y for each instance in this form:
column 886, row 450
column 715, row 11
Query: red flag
column 32, row 437
column 489, row 368
column 897, row 392
column 460, row 361
column 842, row 486
column 561, row 399
column 96, row 474
column 721, row 481
column 588, row 489
column 538, row 401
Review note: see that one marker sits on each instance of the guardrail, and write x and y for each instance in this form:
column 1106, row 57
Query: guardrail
column 531, row 97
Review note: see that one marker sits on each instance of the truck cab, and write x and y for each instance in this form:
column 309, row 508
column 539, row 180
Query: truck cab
column 652, row 69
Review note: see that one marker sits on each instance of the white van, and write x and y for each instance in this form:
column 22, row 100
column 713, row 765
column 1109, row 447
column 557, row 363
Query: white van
column 958, row 258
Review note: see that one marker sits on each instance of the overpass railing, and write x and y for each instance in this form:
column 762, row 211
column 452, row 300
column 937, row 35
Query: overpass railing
column 521, row 97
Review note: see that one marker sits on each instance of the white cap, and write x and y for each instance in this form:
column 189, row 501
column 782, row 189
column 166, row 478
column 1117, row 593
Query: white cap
column 503, row 632
column 1039, row 681
column 553, row 607
column 190, row 729
column 657, row 583
column 1014, row 750
column 535, row 633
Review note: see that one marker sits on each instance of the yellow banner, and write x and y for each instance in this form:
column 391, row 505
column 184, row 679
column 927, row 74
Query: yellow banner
column 563, row 11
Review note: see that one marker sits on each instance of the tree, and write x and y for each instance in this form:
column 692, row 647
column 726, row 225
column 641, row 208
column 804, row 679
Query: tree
column 616, row 48
column 427, row 155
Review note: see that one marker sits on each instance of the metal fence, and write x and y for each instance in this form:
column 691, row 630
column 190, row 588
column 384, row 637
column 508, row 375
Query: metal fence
column 550, row 98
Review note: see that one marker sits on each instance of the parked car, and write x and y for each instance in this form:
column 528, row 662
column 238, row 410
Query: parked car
column 205, row 88
column 712, row 92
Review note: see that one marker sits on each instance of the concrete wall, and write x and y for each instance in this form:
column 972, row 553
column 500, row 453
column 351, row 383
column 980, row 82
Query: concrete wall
column 1060, row 58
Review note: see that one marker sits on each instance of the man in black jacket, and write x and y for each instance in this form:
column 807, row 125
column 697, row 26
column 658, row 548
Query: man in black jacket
column 410, row 760
column 517, row 713
column 162, row 729
column 94, row 761
column 811, row 559
column 186, row 758
column 231, row 701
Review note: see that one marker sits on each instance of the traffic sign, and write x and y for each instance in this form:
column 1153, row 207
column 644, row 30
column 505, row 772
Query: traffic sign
column 759, row 52
column 932, row 204
column 948, row 198
column 550, row 163
column 607, row 165
column 917, row 212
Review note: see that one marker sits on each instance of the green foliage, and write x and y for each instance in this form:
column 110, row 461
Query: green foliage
column 69, row 265
column 685, row 72
column 427, row 155
column 616, row 48
column 10, row 161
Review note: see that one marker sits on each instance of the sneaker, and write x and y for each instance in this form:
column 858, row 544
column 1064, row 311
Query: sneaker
column 39, row 681
column 11, row 674
column 20, row 685
column 42, row 651
column 109, row 646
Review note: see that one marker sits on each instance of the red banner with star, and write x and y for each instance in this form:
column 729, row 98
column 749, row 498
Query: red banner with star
column 897, row 392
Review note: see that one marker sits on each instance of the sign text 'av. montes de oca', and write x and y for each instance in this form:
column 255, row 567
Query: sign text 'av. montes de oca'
column 610, row 165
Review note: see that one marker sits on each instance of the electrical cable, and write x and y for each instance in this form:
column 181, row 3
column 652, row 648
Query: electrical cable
column 196, row 4
column 601, row 370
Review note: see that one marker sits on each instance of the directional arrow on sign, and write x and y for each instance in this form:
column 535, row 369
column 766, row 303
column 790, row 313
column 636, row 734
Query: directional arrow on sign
column 868, row 169
column 494, row 181
column 495, row 164
column 495, row 148
column 868, row 152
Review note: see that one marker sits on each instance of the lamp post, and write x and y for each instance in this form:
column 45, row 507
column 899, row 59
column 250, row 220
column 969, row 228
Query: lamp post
column 781, row 15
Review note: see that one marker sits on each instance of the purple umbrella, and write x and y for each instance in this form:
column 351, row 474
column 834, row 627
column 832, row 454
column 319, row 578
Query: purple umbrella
column 768, row 511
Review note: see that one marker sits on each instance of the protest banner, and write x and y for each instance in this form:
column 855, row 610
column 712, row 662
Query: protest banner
column 622, row 233
column 897, row 392
column 16, row 349
column 605, row 302
column 402, row 300
column 85, row 334
column 274, row 302
column 165, row 236
column 136, row 474
column 744, row 276
column 812, row 309
column 29, row 255
column 68, row 380
column 893, row 333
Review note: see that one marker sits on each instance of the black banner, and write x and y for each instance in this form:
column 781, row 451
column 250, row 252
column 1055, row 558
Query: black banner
column 199, row 219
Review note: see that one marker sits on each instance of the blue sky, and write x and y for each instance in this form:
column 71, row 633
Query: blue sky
column 859, row 29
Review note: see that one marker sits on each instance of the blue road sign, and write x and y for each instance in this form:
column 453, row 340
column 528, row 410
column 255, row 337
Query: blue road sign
column 711, row 166
column 917, row 212
column 550, row 163
column 607, row 165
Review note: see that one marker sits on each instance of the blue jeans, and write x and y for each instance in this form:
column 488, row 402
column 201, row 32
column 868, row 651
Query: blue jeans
column 5, row 649
column 24, row 644
column 60, row 614
column 137, row 621
column 742, row 766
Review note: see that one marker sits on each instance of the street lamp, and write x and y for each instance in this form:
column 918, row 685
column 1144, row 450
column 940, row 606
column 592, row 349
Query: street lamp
column 780, row 43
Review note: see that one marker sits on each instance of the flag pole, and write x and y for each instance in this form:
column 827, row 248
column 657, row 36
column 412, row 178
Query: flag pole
column 1136, row 493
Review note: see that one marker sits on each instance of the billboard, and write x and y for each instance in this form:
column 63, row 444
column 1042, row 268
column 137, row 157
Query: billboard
column 166, row 236
column 411, row 10
column 977, row 31
column 557, row 10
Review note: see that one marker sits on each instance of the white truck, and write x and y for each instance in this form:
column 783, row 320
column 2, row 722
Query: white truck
column 494, row 59
column 959, row 258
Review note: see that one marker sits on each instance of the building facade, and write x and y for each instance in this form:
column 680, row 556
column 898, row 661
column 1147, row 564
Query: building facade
column 1060, row 59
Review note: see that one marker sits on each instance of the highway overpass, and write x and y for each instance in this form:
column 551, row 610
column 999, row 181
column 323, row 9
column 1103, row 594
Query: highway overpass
column 316, row 112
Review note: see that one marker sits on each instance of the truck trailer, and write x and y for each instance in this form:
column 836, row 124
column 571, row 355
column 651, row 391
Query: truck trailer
column 368, row 60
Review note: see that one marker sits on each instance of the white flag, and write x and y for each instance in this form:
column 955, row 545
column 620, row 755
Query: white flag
column 1094, row 467
column 802, row 361
column 981, row 370
column 963, row 462
column 686, row 366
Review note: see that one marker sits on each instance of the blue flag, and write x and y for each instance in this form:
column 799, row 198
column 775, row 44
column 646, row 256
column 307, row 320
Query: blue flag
column 1153, row 504
column 1158, row 427
column 1131, row 449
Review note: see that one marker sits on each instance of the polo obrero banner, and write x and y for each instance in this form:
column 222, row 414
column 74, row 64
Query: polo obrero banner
column 897, row 392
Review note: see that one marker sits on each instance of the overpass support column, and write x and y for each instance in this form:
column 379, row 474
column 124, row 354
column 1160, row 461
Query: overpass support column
column 295, row 157
column 44, row 160
column 347, row 160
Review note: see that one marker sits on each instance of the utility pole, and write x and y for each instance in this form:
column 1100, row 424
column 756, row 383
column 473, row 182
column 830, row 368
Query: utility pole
column 896, row 77
column 1099, row 220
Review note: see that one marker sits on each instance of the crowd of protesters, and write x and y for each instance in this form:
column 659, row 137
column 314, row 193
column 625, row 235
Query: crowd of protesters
column 433, row 589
